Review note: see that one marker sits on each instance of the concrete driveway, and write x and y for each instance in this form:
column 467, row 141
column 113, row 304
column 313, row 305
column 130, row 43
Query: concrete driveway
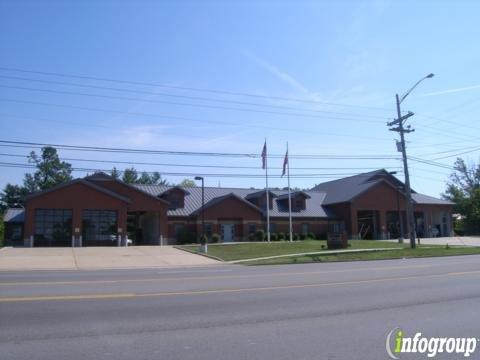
column 89, row 258
column 453, row 240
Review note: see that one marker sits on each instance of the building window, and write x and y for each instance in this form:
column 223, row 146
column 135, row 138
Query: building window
column 252, row 228
column 99, row 227
column 305, row 229
column 208, row 230
column 299, row 204
column 273, row 227
column 53, row 227
column 175, row 202
column 178, row 229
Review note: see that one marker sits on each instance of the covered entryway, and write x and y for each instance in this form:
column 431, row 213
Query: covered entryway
column 99, row 228
column 367, row 222
column 143, row 228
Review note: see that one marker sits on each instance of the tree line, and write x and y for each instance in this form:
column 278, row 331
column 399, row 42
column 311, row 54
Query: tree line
column 463, row 187
column 50, row 171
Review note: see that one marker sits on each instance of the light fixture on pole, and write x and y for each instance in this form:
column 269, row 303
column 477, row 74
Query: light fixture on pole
column 203, row 240
column 402, row 148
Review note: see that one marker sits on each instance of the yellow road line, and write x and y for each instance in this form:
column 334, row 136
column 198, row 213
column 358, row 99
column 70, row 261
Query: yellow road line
column 215, row 277
column 222, row 291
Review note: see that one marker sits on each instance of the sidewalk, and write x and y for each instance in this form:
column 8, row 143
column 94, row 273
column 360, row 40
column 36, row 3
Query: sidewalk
column 93, row 258
column 452, row 241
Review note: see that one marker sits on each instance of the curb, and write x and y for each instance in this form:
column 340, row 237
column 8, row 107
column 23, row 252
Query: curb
column 326, row 252
column 199, row 253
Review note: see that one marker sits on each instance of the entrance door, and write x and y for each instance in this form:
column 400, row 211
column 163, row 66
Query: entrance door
column 228, row 232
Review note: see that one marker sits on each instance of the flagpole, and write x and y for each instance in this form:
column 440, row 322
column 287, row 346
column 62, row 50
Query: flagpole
column 289, row 199
column 266, row 192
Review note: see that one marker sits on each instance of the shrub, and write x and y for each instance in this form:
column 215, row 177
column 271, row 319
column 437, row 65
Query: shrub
column 215, row 238
column 295, row 236
column 251, row 237
column 303, row 236
column 203, row 239
column 281, row 236
column 259, row 235
column 273, row 237
column 312, row 236
column 186, row 236
column 322, row 236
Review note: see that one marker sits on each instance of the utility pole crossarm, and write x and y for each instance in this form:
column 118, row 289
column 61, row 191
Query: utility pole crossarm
column 401, row 147
column 401, row 119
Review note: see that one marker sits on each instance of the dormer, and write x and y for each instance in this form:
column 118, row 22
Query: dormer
column 259, row 199
column 175, row 197
column 299, row 200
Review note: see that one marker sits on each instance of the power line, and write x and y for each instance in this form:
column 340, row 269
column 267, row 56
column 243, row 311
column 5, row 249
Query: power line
column 193, row 153
column 184, row 174
column 473, row 148
column 213, row 91
column 124, row 98
column 457, row 154
column 295, row 130
column 134, row 163
column 185, row 96
column 431, row 163
column 439, row 119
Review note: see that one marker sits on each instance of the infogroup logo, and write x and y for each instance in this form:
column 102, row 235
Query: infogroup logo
column 398, row 343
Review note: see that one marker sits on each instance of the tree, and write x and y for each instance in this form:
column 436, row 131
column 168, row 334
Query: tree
column 130, row 176
column 51, row 171
column 464, row 190
column 187, row 183
column 150, row 179
column 115, row 173
column 12, row 196
column 2, row 230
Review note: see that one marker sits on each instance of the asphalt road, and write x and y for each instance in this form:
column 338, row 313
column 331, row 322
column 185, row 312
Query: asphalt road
column 314, row 311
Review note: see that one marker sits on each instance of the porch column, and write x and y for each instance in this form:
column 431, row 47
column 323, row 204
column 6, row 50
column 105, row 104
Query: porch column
column 29, row 227
column 353, row 224
column 122, row 227
column 162, row 228
column 382, row 222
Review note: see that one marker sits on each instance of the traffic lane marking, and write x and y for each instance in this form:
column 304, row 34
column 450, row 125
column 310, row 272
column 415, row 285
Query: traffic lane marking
column 221, row 291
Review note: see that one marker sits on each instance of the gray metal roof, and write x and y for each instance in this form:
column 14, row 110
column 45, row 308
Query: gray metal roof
column 193, row 200
column 346, row 189
column 14, row 215
column 425, row 199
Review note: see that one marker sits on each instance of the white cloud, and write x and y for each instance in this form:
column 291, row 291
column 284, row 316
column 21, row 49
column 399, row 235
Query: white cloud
column 450, row 91
column 280, row 74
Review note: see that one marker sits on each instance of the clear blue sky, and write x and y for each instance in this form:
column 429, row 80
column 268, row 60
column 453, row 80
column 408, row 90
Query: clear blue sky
column 345, row 52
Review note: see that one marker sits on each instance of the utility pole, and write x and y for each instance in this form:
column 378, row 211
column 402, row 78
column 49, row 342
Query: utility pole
column 400, row 120
column 408, row 191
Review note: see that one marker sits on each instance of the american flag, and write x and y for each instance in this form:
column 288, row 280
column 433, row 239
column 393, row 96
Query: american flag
column 264, row 156
column 285, row 163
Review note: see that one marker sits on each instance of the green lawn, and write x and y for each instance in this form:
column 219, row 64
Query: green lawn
column 421, row 251
column 230, row 252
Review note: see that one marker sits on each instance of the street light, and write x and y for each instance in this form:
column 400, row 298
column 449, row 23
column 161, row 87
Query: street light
column 402, row 131
column 203, row 212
